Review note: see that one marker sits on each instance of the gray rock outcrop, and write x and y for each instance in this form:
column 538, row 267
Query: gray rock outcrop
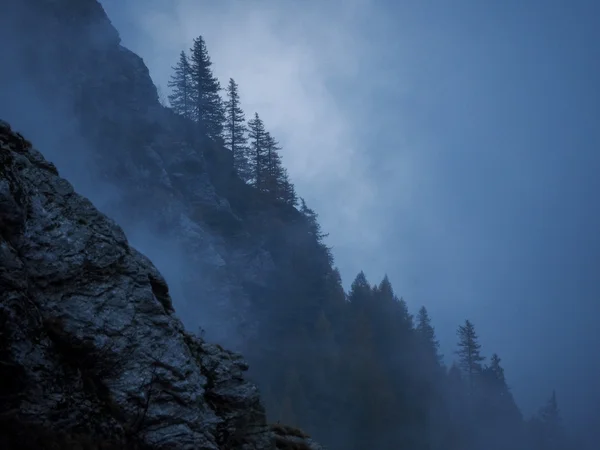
column 91, row 352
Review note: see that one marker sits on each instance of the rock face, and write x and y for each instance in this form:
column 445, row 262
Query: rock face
column 91, row 104
column 91, row 353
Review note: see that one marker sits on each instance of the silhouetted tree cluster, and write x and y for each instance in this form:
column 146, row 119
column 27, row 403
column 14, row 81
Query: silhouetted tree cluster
column 357, row 369
column 195, row 95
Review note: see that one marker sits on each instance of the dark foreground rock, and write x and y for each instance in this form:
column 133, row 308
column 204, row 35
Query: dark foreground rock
column 91, row 353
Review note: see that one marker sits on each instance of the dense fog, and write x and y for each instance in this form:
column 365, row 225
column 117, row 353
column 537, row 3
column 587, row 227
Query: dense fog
column 474, row 171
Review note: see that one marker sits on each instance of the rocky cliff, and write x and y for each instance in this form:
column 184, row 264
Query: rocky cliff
column 228, row 254
column 91, row 352
column 74, row 88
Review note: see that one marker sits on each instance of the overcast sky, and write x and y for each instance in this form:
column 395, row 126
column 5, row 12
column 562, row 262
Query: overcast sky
column 453, row 145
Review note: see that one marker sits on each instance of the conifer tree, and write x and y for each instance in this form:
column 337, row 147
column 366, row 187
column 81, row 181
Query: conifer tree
column 469, row 352
column 384, row 315
column 266, row 171
column 235, row 131
column 180, row 84
column 403, row 315
column 360, row 290
column 385, row 289
column 426, row 334
column 273, row 167
column 550, row 432
column 550, row 414
column 315, row 228
column 257, row 154
column 391, row 319
column 207, row 107
column 497, row 370
column 287, row 192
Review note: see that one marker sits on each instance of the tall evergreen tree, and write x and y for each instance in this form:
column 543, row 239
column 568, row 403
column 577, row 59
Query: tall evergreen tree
column 180, row 84
column 426, row 334
column 273, row 169
column 257, row 154
column 385, row 291
column 315, row 228
column 547, row 427
column 550, row 414
column 402, row 315
column 288, row 191
column 235, row 131
column 383, row 312
column 470, row 358
column 207, row 107
column 360, row 289
column 496, row 369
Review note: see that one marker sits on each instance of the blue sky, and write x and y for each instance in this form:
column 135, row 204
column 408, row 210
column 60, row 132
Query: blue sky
column 453, row 145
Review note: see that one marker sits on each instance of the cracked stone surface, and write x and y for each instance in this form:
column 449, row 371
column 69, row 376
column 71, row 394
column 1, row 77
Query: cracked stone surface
column 90, row 347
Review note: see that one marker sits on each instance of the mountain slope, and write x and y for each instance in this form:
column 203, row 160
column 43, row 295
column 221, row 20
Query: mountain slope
column 90, row 348
column 352, row 369
column 230, row 254
column 151, row 171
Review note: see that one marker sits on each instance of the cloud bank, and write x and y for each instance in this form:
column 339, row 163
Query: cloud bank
column 453, row 146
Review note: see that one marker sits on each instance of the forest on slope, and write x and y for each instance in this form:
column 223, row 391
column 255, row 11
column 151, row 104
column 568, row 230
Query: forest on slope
column 357, row 370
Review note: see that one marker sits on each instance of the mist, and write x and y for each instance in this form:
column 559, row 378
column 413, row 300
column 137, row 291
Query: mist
column 453, row 148
column 476, row 131
column 38, row 101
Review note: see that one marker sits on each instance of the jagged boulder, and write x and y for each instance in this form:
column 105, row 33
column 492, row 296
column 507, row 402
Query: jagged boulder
column 91, row 352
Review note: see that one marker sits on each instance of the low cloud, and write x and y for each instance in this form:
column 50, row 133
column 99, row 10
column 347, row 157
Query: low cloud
column 288, row 61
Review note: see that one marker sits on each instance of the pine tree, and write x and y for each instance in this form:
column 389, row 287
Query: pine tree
column 360, row 290
column 235, row 129
column 392, row 323
column 273, row 167
column 497, row 403
column 404, row 317
column 257, row 155
column 383, row 313
column 385, row 289
column 497, row 370
column 550, row 414
column 207, row 107
column 426, row 334
column 315, row 228
column 287, row 192
column 180, row 84
column 469, row 352
column 551, row 434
